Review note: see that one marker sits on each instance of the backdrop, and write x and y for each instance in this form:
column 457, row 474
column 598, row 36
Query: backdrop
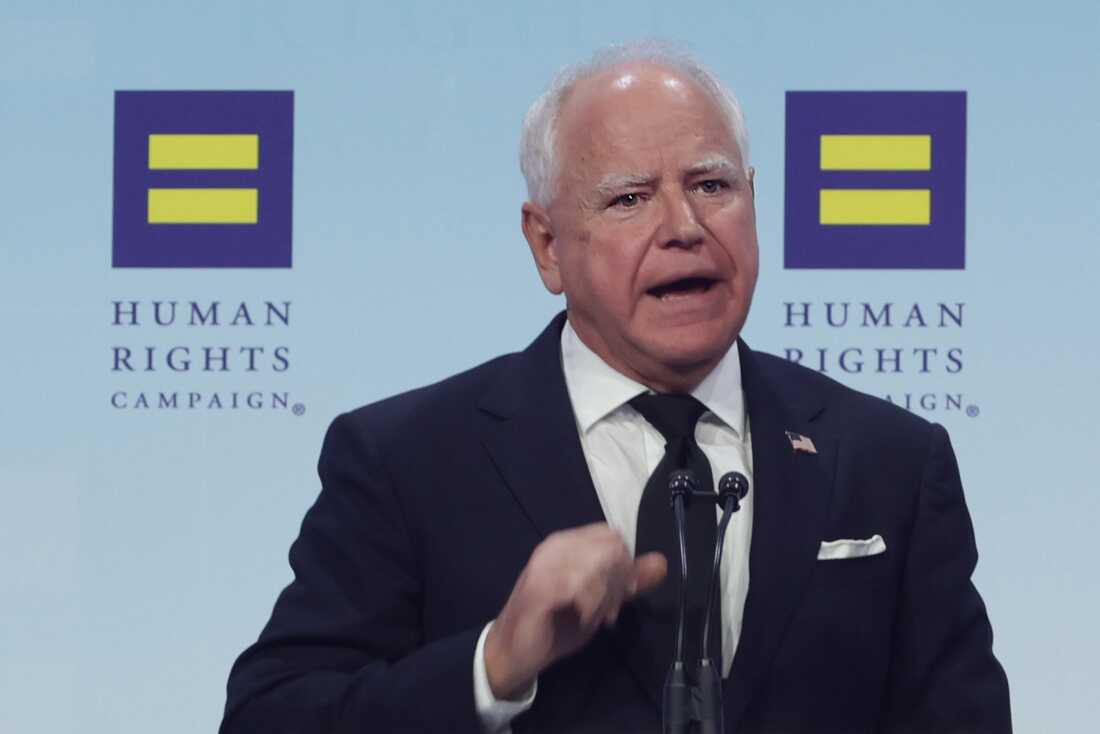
column 155, row 461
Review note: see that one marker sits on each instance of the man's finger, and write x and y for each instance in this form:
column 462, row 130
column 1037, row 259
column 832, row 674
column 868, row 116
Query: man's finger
column 650, row 570
column 591, row 603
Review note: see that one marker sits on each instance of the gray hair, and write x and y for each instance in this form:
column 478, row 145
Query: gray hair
column 538, row 141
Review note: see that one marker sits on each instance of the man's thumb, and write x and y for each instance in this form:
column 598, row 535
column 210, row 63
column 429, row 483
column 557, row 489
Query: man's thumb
column 650, row 570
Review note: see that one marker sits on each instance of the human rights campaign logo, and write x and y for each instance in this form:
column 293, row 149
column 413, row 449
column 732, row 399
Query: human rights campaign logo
column 875, row 180
column 203, row 179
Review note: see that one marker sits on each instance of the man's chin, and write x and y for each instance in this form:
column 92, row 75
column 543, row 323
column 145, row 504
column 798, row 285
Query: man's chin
column 687, row 353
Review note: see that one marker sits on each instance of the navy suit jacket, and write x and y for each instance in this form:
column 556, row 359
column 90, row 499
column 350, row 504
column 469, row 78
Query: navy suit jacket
column 432, row 502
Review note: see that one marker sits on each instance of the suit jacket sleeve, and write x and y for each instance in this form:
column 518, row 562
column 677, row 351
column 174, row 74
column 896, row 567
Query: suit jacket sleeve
column 344, row 650
column 943, row 676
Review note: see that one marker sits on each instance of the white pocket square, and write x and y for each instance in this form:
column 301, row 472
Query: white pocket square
column 832, row 550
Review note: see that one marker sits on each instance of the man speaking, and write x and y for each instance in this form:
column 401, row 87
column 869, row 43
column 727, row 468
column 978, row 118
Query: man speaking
column 498, row 551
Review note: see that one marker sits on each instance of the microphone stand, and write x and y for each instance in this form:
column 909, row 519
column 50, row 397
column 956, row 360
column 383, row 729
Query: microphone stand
column 695, row 706
column 678, row 695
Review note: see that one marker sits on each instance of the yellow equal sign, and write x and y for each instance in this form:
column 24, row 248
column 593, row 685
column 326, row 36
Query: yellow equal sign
column 204, row 152
column 203, row 206
column 876, row 206
column 876, row 152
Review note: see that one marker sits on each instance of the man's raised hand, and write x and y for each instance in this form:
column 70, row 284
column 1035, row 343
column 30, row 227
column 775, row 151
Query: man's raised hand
column 575, row 582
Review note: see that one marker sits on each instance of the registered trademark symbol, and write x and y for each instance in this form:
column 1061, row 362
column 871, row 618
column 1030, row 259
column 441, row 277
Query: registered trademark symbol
column 299, row 409
column 972, row 411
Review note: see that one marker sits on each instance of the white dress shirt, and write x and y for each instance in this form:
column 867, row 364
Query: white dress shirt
column 622, row 449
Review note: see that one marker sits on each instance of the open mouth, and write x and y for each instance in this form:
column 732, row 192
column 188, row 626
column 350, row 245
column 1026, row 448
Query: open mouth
column 682, row 287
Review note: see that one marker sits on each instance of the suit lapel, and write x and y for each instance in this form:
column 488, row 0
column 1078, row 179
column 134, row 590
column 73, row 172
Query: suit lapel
column 534, row 442
column 791, row 496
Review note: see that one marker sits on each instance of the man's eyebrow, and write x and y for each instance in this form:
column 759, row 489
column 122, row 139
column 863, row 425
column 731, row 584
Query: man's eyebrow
column 714, row 164
column 615, row 183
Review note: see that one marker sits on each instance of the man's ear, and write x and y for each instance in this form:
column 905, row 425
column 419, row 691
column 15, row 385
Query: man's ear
column 544, row 245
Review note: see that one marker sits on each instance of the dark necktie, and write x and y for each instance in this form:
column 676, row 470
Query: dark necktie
column 675, row 417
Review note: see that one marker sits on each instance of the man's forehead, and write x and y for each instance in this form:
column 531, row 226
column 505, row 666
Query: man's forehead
column 626, row 109
column 621, row 96
column 623, row 160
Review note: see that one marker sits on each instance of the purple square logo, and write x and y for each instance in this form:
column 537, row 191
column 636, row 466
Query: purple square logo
column 203, row 179
column 875, row 180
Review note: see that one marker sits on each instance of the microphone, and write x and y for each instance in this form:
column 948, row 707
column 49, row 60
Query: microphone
column 735, row 485
column 732, row 488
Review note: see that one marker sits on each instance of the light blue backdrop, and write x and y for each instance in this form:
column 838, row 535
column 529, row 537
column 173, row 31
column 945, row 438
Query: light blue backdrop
column 140, row 552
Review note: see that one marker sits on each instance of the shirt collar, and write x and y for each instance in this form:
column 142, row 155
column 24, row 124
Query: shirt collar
column 596, row 389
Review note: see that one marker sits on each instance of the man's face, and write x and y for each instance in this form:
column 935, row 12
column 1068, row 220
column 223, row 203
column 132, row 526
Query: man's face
column 652, row 231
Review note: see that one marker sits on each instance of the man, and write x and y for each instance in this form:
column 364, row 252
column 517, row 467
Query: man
column 486, row 553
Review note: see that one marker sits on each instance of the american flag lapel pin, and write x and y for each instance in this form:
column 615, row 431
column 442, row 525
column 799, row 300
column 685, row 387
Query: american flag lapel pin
column 801, row 443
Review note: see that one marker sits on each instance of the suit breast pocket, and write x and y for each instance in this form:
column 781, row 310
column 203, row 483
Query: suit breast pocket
column 848, row 584
column 848, row 608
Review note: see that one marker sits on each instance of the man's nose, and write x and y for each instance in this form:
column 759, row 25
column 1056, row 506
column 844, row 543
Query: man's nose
column 680, row 225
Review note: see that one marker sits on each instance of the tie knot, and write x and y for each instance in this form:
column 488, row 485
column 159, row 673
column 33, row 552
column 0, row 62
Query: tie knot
column 674, row 416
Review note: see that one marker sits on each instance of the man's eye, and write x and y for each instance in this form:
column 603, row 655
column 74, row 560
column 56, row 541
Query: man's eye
column 627, row 201
column 713, row 186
